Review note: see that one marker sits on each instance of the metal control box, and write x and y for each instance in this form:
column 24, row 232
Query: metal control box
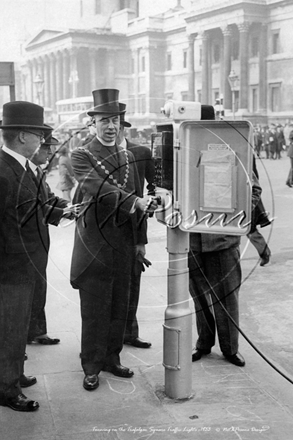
column 214, row 177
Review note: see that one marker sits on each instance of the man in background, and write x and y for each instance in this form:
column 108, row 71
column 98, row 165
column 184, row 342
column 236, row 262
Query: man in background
column 146, row 171
column 56, row 209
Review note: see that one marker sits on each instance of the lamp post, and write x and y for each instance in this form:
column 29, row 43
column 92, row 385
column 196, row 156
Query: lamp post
column 39, row 82
column 233, row 81
column 73, row 80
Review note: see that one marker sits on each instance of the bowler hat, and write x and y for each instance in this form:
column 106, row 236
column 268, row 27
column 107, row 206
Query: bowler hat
column 50, row 140
column 207, row 112
column 122, row 108
column 22, row 114
column 106, row 101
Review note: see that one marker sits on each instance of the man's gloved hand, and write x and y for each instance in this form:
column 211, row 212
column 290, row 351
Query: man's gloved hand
column 144, row 261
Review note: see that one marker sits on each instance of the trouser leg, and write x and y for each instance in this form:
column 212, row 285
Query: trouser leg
column 200, row 291
column 15, row 307
column 258, row 242
column 119, row 310
column 131, row 331
column 38, row 323
column 224, row 273
column 104, row 296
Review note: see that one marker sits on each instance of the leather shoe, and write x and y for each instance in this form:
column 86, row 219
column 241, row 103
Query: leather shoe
column 91, row 382
column 235, row 359
column 25, row 357
column 44, row 340
column 21, row 403
column 137, row 342
column 118, row 370
column 27, row 381
column 265, row 257
column 196, row 356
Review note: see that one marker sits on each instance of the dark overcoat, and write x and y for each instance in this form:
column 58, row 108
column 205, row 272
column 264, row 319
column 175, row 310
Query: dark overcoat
column 24, row 244
column 106, row 234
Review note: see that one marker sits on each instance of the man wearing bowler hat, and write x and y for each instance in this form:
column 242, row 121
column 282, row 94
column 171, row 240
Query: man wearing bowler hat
column 57, row 208
column 146, row 171
column 23, row 244
column 108, row 230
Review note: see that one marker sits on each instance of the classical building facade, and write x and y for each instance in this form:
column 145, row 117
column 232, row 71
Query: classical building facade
column 181, row 54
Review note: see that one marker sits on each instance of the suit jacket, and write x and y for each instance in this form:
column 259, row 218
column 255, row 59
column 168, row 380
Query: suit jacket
column 145, row 165
column 109, row 183
column 24, row 238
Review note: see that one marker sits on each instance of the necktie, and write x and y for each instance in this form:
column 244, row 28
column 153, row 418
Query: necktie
column 30, row 172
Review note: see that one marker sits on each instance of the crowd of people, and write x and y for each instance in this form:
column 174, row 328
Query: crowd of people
column 275, row 141
column 111, row 207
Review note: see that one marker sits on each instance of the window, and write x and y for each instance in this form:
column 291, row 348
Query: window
column 184, row 59
column 275, row 97
column 235, row 50
column 97, row 6
column 199, row 95
column 216, row 53
column 254, row 99
column 132, row 66
column 81, row 7
column 276, row 42
column 200, row 56
column 254, row 46
column 169, row 61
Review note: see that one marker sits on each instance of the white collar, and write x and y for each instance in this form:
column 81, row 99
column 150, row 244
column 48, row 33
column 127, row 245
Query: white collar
column 20, row 159
column 107, row 144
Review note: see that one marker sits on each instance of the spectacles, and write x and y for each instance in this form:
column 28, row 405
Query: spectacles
column 40, row 136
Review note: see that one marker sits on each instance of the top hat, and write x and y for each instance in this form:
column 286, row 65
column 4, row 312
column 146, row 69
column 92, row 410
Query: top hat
column 23, row 114
column 122, row 108
column 207, row 112
column 106, row 101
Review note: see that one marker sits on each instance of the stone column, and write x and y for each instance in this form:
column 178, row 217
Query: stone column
column 93, row 69
column 59, row 76
column 262, row 63
column 53, row 76
column 47, row 100
column 34, row 74
column 243, row 53
column 205, row 72
column 73, row 78
column 136, row 79
column 111, row 66
column 191, row 79
column 227, row 33
column 66, row 75
column 31, row 84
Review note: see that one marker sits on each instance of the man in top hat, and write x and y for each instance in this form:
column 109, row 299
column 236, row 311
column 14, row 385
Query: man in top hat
column 214, row 284
column 23, row 244
column 57, row 208
column 108, row 230
column 146, row 171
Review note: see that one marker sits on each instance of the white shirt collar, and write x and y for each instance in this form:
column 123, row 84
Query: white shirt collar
column 20, row 159
column 107, row 144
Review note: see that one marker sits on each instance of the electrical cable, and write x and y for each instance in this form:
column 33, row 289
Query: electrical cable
column 237, row 326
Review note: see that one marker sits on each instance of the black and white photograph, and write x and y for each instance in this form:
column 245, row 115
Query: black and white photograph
column 146, row 200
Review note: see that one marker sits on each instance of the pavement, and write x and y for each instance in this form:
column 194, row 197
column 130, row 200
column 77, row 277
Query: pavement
column 226, row 402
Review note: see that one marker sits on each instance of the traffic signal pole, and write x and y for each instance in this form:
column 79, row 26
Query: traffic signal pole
column 178, row 319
